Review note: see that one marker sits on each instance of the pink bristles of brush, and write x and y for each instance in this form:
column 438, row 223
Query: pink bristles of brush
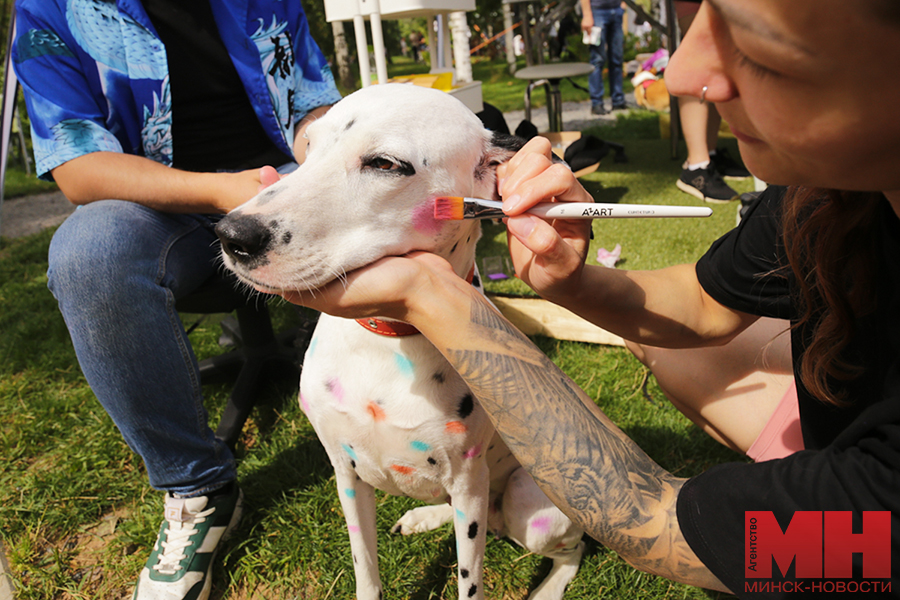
column 456, row 208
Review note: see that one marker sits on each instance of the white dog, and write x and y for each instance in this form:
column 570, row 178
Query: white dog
column 390, row 411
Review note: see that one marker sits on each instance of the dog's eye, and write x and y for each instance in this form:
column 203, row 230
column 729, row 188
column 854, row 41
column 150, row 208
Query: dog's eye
column 388, row 165
column 381, row 163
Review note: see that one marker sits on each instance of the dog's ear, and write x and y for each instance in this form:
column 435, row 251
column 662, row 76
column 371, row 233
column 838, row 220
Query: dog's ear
column 498, row 148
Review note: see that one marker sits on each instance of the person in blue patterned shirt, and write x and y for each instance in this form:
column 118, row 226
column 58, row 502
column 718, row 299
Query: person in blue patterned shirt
column 155, row 118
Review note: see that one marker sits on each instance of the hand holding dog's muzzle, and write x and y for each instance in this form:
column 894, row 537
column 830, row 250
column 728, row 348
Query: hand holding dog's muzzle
column 395, row 287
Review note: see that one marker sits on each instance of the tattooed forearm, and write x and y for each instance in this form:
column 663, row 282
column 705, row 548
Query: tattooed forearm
column 586, row 464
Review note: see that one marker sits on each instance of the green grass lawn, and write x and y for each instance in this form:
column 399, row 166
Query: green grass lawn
column 498, row 86
column 18, row 183
column 77, row 517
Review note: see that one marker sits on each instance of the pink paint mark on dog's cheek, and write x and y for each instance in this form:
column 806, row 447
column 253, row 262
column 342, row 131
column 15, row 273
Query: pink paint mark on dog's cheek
column 304, row 404
column 541, row 524
column 353, row 528
column 423, row 218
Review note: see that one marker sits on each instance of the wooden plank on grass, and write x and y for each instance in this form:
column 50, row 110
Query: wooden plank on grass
column 534, row 316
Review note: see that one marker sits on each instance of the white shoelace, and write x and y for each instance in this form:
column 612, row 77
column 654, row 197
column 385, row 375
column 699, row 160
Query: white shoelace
column 177, row 539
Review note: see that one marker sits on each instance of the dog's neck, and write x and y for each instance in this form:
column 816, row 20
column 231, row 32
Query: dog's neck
column 460, row 251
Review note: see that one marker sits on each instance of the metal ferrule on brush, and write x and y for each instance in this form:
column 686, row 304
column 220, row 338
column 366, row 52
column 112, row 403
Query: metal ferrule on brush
column 476, row 208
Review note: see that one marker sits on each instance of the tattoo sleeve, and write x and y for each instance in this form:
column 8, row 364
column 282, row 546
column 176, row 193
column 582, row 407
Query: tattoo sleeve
column 597, row 475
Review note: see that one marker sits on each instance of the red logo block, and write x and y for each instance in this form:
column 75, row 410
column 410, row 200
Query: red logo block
column 821, row 542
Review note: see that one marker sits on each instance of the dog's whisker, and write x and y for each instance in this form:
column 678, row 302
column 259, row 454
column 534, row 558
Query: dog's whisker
column 342, row 276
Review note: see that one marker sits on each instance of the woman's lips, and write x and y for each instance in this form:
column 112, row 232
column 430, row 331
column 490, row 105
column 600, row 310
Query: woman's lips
column 743, row 137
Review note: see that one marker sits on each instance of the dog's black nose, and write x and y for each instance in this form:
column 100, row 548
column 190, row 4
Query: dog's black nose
column 245, row 238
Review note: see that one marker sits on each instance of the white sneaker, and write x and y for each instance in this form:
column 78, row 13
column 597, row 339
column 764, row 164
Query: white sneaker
column 181, row 562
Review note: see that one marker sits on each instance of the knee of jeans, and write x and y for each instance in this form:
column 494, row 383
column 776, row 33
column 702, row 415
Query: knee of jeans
column 91, row 257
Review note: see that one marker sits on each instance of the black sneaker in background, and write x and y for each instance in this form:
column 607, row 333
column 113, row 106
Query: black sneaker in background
column 706, row 184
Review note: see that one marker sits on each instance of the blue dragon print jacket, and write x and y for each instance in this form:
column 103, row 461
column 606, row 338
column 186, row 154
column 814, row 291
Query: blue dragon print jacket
column 110, row 79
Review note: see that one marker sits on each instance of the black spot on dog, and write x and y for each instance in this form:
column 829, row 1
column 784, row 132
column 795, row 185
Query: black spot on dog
column 453, row 249
column 349, row 124
column 438, row 377
column 464, row 573
column 287, row 237
column 353, row 464
column 473, row 590
column 266, row 197
column 431, row 461
column 473, row 530
column 466, row 405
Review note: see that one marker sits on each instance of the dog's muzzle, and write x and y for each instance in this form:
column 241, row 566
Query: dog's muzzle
column 245, row 239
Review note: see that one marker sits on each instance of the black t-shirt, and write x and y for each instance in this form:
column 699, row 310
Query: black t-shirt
column 214, row 126
column 852, row 461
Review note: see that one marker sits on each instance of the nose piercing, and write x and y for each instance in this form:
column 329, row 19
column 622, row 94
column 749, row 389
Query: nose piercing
column 703, row 94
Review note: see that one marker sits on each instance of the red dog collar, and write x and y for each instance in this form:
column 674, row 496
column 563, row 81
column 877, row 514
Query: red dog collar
column 388, row 328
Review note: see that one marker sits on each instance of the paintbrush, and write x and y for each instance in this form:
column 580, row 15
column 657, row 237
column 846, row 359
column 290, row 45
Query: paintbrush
column 455, row 208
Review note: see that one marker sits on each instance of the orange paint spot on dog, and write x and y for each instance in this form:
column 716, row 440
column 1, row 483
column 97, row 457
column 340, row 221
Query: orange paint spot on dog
column 456, row 427
column 376, row 411
column 402, row 470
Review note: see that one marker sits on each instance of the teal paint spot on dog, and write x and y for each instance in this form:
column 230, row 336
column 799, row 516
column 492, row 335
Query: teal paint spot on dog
column 420, row 446
column 349, row 451
column 405, row 365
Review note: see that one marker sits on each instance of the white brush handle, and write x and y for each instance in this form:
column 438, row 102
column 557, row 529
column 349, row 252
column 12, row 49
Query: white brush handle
column 589, row 210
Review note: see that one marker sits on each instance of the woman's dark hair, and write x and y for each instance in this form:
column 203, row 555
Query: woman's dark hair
column 830, row 241
column 886, row 10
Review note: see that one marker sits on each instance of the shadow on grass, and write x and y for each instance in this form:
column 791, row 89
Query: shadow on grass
column 601, row 193
column 437, row 575
column 684, row 454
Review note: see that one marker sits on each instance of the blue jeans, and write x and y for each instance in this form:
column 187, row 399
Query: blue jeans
column 116, row 269
column 610, row 52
